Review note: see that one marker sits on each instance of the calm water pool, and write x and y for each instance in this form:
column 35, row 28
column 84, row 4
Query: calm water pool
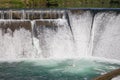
column 82, row 69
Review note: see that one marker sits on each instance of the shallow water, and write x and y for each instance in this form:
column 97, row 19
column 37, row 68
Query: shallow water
column 82, row 69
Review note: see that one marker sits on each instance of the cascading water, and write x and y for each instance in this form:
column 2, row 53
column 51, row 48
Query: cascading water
column 37, row 38
column 55, row 40
column 81, row 26
column 15, row 44
column 106, row 35
column 55, row 34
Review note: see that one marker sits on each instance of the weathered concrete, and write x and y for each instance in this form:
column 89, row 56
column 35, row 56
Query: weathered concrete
column 13, row 25
column 30, row 14
column 17, row 15
column 77, row 11
column 45, row 23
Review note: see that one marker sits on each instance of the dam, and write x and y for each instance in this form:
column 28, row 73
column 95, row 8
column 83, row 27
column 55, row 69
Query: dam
column 79, row 33
column 58, row 34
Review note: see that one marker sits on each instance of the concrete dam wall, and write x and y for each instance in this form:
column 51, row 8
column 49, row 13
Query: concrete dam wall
column 70, row 33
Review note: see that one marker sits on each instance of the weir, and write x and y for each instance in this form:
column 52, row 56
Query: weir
column 70, row 33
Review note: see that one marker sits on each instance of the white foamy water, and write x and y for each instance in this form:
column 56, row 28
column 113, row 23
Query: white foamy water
column 55, row 42
column 81, row 26
column 116, row 78
column 17, row 45
column 107, row 35
column 75, row 36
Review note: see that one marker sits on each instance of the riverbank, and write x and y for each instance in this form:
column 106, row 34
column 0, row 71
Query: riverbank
column 59, row 3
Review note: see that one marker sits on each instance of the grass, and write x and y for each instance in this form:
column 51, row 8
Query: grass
column 61, row 3
column 11, row 4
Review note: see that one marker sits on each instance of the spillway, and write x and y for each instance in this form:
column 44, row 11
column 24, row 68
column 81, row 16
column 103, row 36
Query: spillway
column 71, row 33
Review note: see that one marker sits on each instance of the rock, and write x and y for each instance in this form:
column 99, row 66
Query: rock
column 109, row 75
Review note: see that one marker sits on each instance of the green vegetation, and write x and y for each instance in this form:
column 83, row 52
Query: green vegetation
column 11, row 4
column 59, row 3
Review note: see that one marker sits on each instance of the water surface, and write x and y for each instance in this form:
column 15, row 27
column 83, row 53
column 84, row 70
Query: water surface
column 82, row 69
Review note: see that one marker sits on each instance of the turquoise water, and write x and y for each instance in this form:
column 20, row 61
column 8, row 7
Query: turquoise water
column 83, row 69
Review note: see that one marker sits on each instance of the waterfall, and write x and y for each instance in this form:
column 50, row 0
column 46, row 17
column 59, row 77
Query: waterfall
column 55, row 39
column 15, row 43
column 59, row 34
column 107, row 35
column 81, row 26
